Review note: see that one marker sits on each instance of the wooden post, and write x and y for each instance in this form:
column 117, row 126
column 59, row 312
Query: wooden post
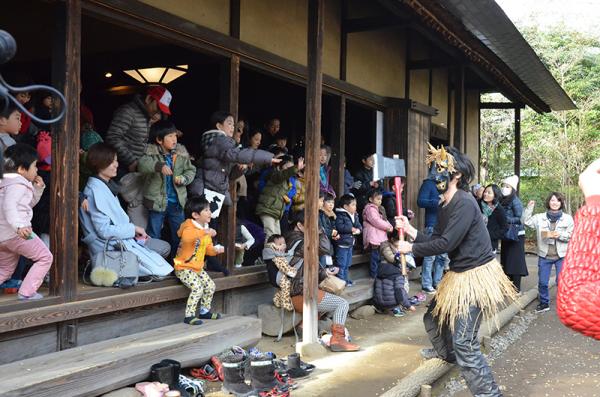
column 230, row 87
column 64, row 186
column 339, row 145
column 459, row 101
column 312, row 139
column 234, row 18
column 518, row 141
column 343, row 40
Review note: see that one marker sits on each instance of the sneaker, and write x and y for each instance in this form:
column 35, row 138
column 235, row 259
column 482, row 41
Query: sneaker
column 34, row 297
column 238, row 265
column 397, row 312
column 349, row 283
column 542, row 307
column 429, row 290
column 429, row 353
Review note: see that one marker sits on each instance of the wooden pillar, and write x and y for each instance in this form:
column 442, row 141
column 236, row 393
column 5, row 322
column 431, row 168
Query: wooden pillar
column 459, row 107
column 64, row 186
column 339, row 145
column 343, row 40
column 230, row 84
column 312, row 139
column 407, row 69
column 234, row 18
column 518, row 141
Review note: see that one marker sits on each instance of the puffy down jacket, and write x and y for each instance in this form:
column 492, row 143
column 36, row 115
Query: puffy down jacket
column 578, row 298
column 389, row 288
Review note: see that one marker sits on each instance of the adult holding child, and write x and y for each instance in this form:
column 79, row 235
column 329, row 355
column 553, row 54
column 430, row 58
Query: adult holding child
column 553, row 231
column 103, row 217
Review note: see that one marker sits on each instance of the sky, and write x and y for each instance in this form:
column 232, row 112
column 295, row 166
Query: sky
column 579, row 15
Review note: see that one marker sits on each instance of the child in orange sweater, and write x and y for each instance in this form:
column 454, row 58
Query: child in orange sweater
column 195, row 244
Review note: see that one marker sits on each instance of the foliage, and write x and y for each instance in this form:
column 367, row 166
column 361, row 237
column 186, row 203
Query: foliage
column 556, row 146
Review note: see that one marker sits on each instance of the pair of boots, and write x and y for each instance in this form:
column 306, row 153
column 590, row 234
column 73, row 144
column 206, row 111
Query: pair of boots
column 262, row 374
column 169, row 372
column 338, row 342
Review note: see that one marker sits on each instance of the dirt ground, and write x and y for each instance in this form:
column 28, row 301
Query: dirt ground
column 389, row 351
column 549, row 360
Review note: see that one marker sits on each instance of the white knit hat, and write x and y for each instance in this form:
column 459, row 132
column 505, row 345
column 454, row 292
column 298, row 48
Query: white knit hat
column 512, row 181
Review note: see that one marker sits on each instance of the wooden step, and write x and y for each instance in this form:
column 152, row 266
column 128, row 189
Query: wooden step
column 360, row 292
column 98, row 368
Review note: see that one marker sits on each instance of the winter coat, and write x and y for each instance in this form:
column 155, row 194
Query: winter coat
column 513, row 209
column 194, row 246
column 106, row 218
column 326, row 188
column 297, row 260
column 272, row 199
column 219, row 154
column 375, row 225
column 344, row 222
column 327, row 222
column 18, row 196
column 540, row 222
column 429, row 198
column 155, row 190
column 578, row 296
column 348, row 181
column 128, row 131
column 365, row 176
column 298, row 199
column 496, row 225
column 389, row 289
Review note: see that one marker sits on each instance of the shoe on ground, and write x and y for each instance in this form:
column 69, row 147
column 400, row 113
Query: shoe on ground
column 429, row 353
column 542, row 307
column 349, row 283
column 397, row 312
column 429, row 291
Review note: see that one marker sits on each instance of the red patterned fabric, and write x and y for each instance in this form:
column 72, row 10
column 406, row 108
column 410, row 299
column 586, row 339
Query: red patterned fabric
column 578, row 299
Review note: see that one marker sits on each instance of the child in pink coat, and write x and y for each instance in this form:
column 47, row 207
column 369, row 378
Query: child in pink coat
column 20, row 190
column 375, row 229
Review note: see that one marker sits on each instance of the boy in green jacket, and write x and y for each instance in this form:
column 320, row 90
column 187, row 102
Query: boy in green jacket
column 168, row 170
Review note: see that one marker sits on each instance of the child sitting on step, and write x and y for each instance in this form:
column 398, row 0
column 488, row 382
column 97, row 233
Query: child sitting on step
column 195, row 244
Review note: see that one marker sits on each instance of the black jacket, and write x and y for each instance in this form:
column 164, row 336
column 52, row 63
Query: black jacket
column 344, row 225
column 389, row 289
column 497, row 225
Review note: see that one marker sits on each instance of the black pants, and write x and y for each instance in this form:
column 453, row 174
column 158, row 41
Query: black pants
column 463, row 347
column 516, row 280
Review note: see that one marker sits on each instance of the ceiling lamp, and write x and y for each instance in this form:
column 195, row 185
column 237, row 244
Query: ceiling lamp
column 159, row 75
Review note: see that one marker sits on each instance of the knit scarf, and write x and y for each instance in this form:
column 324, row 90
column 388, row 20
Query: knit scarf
column 554, row 216
column 487, row 209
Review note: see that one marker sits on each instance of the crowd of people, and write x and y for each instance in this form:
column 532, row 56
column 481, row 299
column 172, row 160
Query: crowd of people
column 142, row 190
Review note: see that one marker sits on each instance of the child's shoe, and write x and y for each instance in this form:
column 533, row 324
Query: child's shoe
column 192, row 320
column 349, row 283
column 397, row 312
column 209, row 316
column 34, row 297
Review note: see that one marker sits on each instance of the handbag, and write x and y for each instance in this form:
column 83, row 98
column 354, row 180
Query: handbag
column 333, row 284
column 115, row 268
column 512, row 233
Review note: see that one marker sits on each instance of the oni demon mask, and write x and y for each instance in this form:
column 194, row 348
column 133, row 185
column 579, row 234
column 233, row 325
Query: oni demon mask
column 441, row 166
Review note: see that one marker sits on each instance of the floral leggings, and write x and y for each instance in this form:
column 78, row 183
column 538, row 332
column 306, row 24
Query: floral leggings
column 202, row 289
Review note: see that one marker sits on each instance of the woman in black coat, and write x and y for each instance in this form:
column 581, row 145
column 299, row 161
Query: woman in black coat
column 493, row 214
column 512, row 254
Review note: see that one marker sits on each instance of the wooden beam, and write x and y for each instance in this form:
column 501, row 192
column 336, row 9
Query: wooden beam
column 518, row 142
column 459, row 105
column 316, row 26
column 339, row 144
column 17, row 320
column 500, row 105
column 234, row 18
column 355, row 25
column 64, row 197
column 430, row 64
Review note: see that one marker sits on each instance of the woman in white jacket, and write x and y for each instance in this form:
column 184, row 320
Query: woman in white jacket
column 553, row 231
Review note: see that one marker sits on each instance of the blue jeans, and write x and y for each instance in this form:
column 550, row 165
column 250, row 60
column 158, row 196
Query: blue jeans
column 433, row 267
column 375, row 261
column 343, row 257
column 544, row 269
column 174, row 215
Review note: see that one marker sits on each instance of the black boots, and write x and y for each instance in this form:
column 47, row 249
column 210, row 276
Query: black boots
column 262, row 372
column 296, row 369
column 233, row 373
column 168, row 371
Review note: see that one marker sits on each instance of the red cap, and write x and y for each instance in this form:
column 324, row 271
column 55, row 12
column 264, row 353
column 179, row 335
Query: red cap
column 162, row 96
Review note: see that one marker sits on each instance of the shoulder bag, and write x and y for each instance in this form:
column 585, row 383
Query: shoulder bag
column 115, row 268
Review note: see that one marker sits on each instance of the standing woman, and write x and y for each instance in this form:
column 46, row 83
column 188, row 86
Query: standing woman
column 553, row 231
column 493, row 214
column 512, row 254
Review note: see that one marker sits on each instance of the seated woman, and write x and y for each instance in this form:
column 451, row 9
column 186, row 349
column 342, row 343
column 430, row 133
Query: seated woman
column 327, row 302
column 103, row 217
